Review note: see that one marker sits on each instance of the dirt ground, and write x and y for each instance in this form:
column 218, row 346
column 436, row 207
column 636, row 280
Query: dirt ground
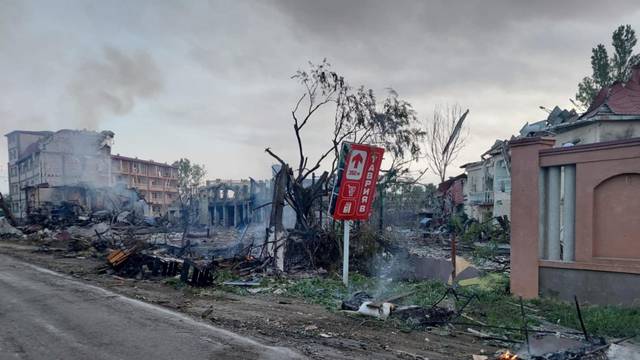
column 272, row 319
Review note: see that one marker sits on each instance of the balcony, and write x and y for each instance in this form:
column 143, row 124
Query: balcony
column 481, row 198
column 503, row 185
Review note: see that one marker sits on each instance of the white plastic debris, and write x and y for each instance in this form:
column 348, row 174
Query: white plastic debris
column 380, row 311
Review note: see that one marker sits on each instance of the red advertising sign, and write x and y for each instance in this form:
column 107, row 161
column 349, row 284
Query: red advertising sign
column 355, row 188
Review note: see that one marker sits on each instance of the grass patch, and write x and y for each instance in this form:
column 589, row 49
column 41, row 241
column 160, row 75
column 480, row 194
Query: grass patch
column 495, row 306
column 174, row 282
column 609, row 320
column 226, row 275
column 323, row 291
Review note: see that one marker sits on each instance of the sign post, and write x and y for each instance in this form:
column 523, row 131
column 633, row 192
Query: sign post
column 345, row 251
column 354, row 190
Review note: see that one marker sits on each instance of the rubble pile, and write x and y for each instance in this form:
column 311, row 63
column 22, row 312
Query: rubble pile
column 7, row 230
column 416, row 317
column 138, row 246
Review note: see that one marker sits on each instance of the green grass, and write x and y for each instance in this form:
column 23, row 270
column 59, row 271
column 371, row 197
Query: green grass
column 495, row 306
column 174, row 282
column 599, row 320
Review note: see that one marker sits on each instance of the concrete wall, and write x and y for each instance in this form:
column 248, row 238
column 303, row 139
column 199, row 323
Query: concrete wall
column 596, row 287
column 615, row 235
column 600, row 131
column 582, row 135
column 604, row 214
column 524, row 214
column 76, row 157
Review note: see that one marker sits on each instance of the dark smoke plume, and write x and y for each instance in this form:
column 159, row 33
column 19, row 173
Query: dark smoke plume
column 112, row 85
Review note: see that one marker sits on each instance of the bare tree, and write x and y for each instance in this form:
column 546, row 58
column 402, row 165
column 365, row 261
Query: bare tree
column 445, row 137
column 357, row 117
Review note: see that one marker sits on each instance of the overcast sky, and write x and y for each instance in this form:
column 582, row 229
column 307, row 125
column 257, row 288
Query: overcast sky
column 210, row 81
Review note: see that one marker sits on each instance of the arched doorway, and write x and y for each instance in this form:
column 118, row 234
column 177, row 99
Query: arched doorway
column 616, row 217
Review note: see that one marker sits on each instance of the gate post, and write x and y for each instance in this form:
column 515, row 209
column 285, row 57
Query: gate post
column 525, row 220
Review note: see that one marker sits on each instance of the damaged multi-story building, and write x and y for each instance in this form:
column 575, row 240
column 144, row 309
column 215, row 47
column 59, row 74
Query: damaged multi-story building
column 487, row 190
column 47, row 166
column 75, row 169
column 233, row 203
column 156, row 182
column 614, row 114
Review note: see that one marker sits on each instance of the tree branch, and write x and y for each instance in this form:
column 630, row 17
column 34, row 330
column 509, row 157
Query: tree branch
column 268, row 151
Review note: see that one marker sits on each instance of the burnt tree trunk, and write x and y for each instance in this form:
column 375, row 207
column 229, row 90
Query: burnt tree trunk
column 275, row 241
column 303, row 200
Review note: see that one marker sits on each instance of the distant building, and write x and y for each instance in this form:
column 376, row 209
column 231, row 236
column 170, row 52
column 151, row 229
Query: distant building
column 156, row 182
column 232, row 203
column 452, row 193
column 76, row 167
column 613, row 115
column 65, row 160
column 487, row 189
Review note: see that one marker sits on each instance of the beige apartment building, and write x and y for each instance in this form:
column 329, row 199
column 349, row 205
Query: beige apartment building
column 156, row 182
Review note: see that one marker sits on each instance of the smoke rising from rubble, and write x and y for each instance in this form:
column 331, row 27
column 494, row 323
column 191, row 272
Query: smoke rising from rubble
column 112, row 85
column 217, row 73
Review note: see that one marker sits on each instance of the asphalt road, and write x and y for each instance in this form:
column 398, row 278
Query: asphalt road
column 46, row 315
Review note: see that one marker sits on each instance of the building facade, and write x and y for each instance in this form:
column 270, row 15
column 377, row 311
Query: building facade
column 156, row 182
column 487, row 191
column 452, row 194
column 41, row 161
column 234, row 203
column 76, row 167
column 614, row 115
column 575, row 220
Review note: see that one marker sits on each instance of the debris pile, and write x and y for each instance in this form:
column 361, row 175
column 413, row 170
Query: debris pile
column 416, row 317
column 541, row 344
column 7, row 230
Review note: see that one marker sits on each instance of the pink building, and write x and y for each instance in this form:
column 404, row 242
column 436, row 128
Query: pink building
column 452, row 192
column 575, row 220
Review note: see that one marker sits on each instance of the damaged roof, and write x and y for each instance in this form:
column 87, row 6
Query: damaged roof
column 47, row 136
column 445, row 185
column 557, row 118
column 618, row 99
column 29, row 132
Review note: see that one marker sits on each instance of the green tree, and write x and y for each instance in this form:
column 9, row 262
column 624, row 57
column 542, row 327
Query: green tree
column 608, row 70
column 190, row 177
column 357, row 116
